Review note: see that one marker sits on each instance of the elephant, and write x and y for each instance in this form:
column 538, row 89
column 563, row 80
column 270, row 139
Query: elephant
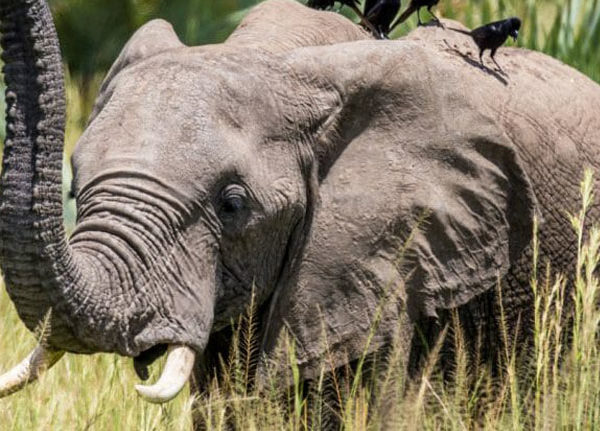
column 355, row 188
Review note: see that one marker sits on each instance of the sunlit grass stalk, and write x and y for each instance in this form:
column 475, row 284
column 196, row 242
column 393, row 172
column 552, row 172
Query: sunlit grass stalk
column 584, row 352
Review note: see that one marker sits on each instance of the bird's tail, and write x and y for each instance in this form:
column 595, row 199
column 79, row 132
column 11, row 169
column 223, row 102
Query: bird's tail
column 408, row 12
column 468, row 33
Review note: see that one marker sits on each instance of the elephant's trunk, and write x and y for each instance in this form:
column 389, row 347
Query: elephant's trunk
column 40, row 271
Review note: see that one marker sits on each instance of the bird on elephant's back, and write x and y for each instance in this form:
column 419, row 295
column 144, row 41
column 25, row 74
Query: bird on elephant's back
column 333, row 179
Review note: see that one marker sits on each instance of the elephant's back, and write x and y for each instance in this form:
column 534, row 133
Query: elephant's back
column 550, row 111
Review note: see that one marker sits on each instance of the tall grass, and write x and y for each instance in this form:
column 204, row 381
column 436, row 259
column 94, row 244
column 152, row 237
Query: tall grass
column 80, row 392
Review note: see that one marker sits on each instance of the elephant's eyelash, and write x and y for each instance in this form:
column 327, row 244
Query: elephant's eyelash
column 233, row 202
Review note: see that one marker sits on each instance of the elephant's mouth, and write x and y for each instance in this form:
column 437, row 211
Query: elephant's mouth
column 146, row 359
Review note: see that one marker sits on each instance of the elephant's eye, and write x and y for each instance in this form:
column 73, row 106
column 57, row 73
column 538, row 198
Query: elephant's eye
column 233, row 201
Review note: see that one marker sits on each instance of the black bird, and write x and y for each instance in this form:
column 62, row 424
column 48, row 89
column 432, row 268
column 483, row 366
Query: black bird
column 352, row 4
column 493, row 35
column 416, row 5
column 381, row 13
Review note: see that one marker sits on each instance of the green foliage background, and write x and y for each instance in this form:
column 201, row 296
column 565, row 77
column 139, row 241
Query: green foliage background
column 92, row 32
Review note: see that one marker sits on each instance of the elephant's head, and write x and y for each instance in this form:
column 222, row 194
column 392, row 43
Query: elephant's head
column 199, row 175
column 196, row 184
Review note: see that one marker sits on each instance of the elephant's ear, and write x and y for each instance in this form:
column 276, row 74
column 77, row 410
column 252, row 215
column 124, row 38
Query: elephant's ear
column 152, row 38
column 424, row 199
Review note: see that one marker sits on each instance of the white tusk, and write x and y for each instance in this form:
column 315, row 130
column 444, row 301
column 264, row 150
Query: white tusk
column 29, row 369
column 176, row 372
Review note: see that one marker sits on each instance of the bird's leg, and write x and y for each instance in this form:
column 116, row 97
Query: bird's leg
column 435, row 18
column 365, row 21
column 481, row 57
column 494, row 60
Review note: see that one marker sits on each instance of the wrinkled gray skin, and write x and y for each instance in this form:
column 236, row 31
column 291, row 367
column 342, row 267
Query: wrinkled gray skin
column 340, row 143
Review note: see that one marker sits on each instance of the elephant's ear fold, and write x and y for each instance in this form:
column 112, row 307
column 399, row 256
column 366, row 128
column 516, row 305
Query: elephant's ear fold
column 478, row 209
column 152, row 38
column 418, row 144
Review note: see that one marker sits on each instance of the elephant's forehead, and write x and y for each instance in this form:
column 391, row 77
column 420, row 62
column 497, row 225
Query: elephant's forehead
column 236, row 88
column 180, row 120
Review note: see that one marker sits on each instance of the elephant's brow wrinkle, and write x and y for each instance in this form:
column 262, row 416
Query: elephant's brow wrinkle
column 143, row 195
column 175, row 197
column 155, row 232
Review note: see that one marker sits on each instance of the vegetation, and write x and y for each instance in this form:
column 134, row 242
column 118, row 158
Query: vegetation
column 96, row 392
column 92, row 32
column 557, row 389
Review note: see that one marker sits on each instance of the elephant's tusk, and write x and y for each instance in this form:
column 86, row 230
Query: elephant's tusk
column 29, row 369
column 177, row 370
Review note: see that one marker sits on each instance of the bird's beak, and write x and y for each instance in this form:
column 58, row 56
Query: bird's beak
column 514, row 34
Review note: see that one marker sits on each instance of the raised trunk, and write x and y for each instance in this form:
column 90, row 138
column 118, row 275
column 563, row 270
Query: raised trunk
column 39, row 269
